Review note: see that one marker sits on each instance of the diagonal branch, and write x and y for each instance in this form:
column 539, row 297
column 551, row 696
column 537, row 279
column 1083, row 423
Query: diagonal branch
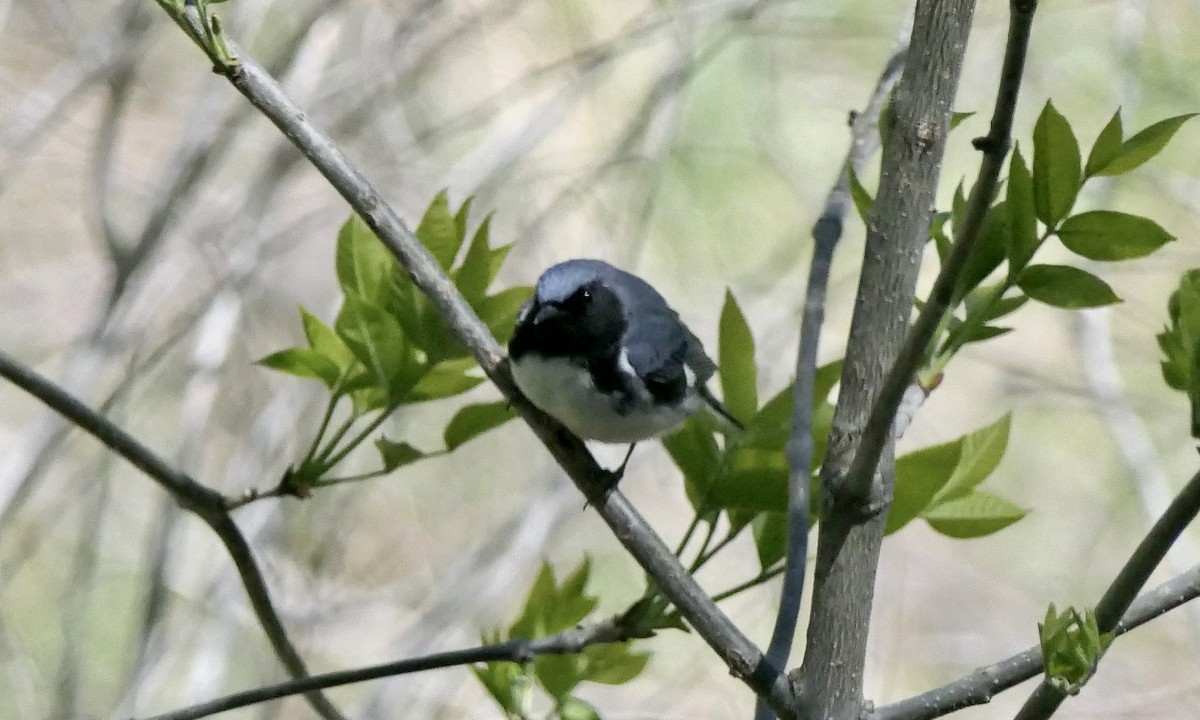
column 206, row 503
column 983, row 684
column 743, row 658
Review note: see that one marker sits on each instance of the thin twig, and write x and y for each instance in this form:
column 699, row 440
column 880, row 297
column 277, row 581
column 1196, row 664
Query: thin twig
column 570, row 641
column 826, row 233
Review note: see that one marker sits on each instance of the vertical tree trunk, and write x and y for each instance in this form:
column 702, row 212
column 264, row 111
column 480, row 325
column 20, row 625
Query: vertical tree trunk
column 829, row 683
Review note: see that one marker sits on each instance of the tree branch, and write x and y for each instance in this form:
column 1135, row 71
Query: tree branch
column 1046, row 698
column 206, row 503
column 829, row 683
column 743, row 658
column 826, row 233
column 994, row 146
column 570, row 641
column 983, row 684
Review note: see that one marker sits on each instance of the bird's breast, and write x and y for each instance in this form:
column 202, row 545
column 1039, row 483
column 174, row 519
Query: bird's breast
column 568, row 391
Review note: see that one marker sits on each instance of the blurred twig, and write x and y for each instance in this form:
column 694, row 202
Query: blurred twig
column 204, row 502
column 66, row 83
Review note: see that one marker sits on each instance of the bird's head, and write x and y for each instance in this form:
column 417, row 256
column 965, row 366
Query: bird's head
column 573, row 312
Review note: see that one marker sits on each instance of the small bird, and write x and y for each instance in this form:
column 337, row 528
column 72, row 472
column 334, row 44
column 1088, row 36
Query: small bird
column 601, row 351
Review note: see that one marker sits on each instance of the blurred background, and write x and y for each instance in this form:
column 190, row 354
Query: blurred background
column 157, row 236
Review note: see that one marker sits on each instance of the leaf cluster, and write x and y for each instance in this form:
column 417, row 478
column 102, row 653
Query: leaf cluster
column 1072, row 645
column 552, row 607
column 1035, row 204
column 388, row 347
column 1180, row 343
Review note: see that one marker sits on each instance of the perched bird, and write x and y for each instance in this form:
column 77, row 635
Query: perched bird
column 601, row 351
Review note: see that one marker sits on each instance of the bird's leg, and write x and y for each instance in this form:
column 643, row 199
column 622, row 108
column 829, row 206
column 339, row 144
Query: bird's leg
column 614, row 476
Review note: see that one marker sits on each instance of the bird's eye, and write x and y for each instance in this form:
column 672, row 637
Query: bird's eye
column 579, row 300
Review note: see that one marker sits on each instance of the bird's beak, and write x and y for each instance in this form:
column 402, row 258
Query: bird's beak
column 545, row 311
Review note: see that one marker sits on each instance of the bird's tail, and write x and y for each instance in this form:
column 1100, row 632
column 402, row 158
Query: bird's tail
column 725, row 418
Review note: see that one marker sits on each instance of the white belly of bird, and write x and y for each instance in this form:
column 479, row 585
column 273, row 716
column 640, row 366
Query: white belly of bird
column 567, row 392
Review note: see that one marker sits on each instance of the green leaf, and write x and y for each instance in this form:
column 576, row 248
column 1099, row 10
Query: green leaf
column 1071, row 647
column 981, row 451
column 1180, row 342
column 439, row 232
column 1139, row 148
column 989, row 250
column 474, row 420
column 958, row 207
column 460, row 217
column 1067, row 287
column 694, row 451
column 937, row 233
column 1056, row 172
column 770, row 537
column 573, row 603
column 475, row 274
column 363, row 263
column 377, row 341
column 822, row 422
column 305, row 363
column 859, row 194
column 613, row 663
column 957, row 118
column 826, row 377
column 1005, row 306
column 324, row 340
column 1109, row 235
column 757, row 480
column 770, row 427
column 974, row 515
column 446, row 379
column 1023, row 239
column 739, row 376
column 395, row 454
column 919, row 476
column 505, row 682
column 542, row 594
column 1107, row 146
column 572, row 708
column 558, row 674
column 499, row 311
